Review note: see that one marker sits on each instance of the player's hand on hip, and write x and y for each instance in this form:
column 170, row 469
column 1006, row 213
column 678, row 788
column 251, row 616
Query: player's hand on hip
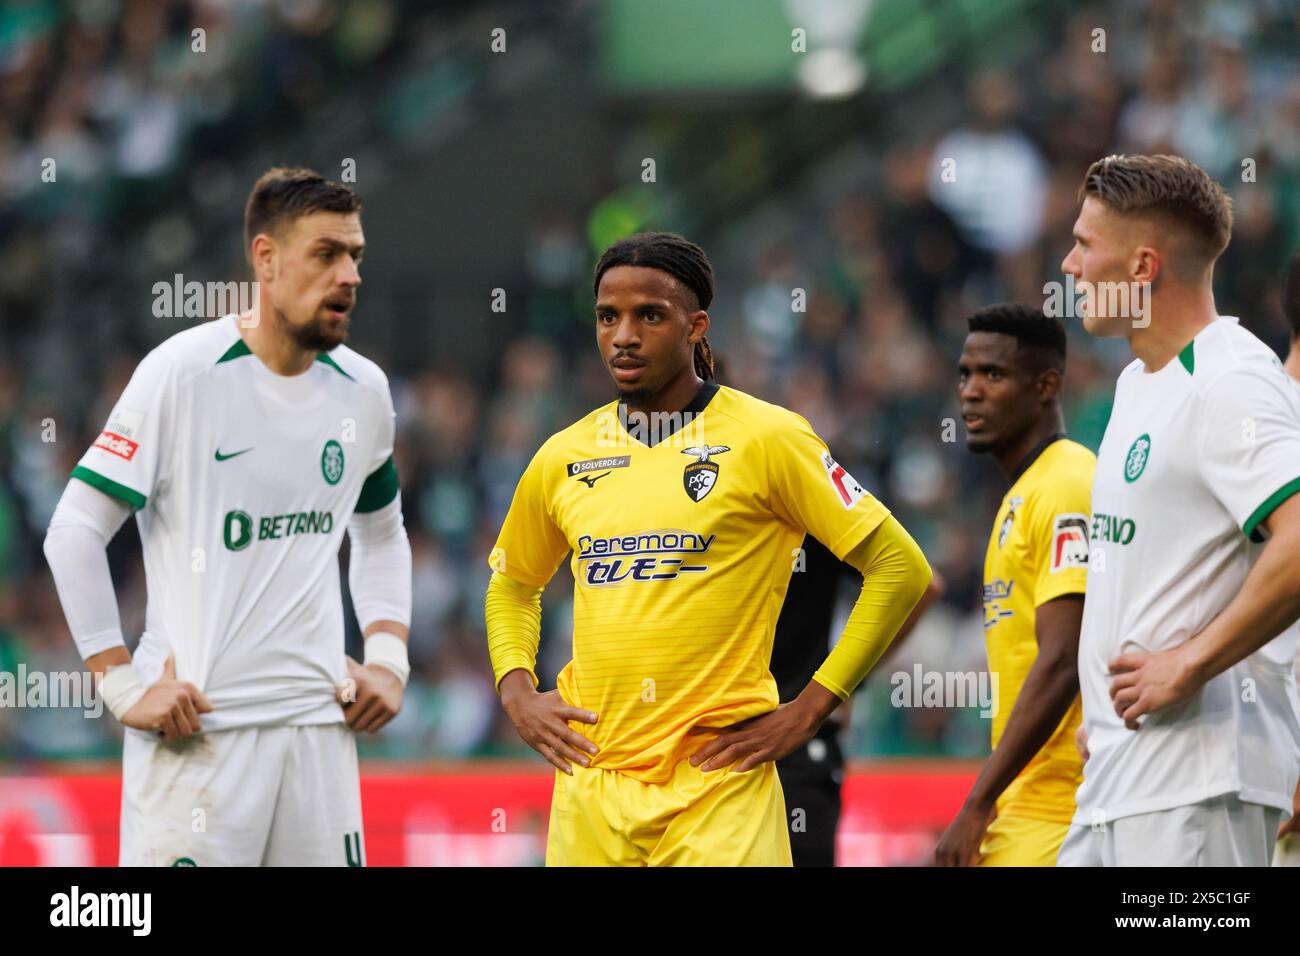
column 1142, row 683
column 170, row 707
column 542, row 721
column 1291, row 825
column 371, row 696
column 1081, row 743
column 960, row 843
column 751, row 742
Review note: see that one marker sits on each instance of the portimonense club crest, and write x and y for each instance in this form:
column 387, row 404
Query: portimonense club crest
column 700, row 476
column 331, row 462
column 1009, row 520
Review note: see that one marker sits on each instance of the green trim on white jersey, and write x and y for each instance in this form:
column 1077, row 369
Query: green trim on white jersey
column 110, row 487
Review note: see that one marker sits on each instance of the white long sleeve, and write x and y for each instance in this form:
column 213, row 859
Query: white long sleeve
column 76, row 543
column 379, row 569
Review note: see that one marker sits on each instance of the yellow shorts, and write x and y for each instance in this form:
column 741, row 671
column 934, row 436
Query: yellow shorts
column 1019, row 841
column 720, row 818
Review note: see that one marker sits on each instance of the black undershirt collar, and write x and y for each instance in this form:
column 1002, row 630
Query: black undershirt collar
column 696, row 405
column 1034, row 452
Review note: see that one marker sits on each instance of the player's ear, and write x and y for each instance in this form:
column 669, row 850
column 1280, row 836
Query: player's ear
column 1147, row 264
column 1049, row 384
column 699, row 321
column 262, row 256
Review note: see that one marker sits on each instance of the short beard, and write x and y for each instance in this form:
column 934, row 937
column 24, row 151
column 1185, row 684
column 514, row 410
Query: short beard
column 312, row 336
column 633, row 396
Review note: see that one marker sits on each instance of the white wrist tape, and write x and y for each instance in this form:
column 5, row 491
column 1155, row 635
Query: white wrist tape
column 121, row 687
column 388, row 650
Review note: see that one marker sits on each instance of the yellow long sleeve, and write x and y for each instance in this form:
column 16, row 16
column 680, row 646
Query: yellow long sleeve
column 514, row 626
column 895, row 575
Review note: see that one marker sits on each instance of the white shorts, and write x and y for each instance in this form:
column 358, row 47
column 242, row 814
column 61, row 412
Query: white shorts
column 256, row 796
column 1223, row 831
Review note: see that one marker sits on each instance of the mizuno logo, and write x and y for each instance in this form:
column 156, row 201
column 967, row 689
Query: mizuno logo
column 221, row 457
column 590, row 480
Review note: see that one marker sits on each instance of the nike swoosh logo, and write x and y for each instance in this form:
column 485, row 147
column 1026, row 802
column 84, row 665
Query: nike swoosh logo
column 589, row 481
column 221, row 457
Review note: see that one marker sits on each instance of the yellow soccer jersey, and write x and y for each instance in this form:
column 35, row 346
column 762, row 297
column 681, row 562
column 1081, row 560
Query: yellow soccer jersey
column 1038, row 550
column 682, row 551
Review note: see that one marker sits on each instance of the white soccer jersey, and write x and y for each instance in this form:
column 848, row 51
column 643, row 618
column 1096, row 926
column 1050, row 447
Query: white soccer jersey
column 1195, row 457
column 243, row 482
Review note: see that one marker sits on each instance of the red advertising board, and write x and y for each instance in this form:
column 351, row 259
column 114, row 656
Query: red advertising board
column 471, row 814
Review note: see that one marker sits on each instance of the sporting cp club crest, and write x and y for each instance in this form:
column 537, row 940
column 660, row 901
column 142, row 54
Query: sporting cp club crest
column 331, row 462
column 700, row 476
column 1136, row 461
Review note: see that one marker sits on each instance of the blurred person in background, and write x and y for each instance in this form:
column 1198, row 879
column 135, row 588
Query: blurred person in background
column 975, row 168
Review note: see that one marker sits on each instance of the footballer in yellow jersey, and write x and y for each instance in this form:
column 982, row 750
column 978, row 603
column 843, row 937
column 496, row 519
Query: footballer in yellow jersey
column 1035, row 572
column 683, row 506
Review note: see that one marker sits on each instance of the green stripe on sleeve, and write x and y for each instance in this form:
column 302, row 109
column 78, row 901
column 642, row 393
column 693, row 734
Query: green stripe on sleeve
column 380, row 488
column 1251, row 527
column 110, row 487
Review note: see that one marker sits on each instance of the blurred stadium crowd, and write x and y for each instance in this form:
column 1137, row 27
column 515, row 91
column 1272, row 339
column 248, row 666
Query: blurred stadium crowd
column 892, row 255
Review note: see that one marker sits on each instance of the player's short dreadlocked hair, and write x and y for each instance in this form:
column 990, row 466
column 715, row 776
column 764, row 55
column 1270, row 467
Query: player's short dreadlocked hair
column 1041, row 335
column 1291, row 295
column 283, row 194
column 681, row 259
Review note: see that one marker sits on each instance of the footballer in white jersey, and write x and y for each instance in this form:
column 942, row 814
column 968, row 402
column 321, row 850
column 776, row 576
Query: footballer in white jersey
column 1287, row 852
column 246, row 446
column 1187, row 643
